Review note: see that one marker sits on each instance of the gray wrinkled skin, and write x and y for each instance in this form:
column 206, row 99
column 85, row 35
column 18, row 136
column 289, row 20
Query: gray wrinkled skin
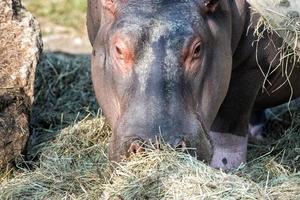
column 169, row 90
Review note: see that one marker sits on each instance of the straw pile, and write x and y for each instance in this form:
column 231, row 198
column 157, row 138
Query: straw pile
column 75, row 165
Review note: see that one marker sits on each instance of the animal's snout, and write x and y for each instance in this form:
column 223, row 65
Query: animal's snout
column 138, row 145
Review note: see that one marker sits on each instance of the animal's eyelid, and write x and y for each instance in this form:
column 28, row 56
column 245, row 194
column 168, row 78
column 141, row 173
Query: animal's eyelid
column 197, row 49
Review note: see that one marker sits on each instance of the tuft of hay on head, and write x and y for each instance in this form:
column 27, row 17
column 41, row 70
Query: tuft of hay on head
column 281, row 17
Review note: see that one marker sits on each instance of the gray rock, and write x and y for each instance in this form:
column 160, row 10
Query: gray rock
column 20, row 48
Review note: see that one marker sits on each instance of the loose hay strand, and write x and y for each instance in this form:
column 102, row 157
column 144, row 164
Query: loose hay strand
column 279, row 17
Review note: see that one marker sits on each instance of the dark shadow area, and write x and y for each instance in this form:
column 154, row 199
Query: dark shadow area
column 63, row 96
column 283, row 137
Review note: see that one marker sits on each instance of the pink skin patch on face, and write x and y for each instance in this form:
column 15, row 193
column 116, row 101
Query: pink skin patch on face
column 123, row 53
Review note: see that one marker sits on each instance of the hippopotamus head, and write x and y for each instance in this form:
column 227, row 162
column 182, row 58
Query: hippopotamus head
column 160, row 69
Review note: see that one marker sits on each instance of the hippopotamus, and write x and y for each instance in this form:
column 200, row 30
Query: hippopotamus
column 188, row 73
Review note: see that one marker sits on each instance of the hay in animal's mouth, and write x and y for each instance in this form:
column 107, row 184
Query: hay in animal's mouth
column 75, row 166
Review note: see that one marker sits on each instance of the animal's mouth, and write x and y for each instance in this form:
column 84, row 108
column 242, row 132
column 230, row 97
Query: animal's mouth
column 137, row 145
column 188, row 135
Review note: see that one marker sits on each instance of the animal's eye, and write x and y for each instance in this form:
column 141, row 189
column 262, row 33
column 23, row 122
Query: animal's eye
column 197, row 50
column 120, row 50
column 192, row 55
column 122, row 53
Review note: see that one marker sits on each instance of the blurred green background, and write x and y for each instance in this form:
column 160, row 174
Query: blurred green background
column 70, row 13
column 63, row 24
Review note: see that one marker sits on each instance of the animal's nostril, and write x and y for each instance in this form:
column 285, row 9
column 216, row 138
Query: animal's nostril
column 181, row 144
column 136, row 147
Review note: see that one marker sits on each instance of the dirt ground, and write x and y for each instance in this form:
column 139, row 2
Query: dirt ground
column 57, row 38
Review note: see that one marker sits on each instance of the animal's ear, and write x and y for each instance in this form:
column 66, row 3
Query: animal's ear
column 95, row 10
column 93, row 22
column 210, row 6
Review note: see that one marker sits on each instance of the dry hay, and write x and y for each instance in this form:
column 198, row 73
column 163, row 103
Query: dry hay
column 63, row 95
column 75, row 164
column 281, row 17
